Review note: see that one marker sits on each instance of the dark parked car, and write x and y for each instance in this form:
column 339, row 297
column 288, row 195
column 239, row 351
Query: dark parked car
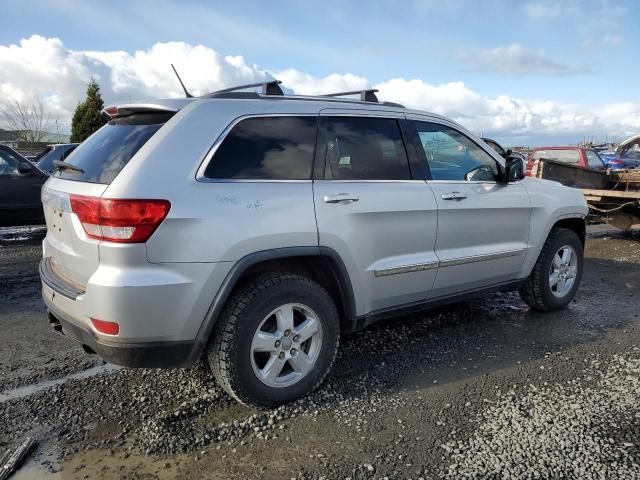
column 20, row 184
column 503, row 152
column 51, row 153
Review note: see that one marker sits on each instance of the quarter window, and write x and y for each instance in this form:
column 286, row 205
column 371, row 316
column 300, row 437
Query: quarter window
column 362, row 148
column 266, row 148
column 454, row 156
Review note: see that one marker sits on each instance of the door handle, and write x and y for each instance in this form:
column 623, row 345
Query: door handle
column 341, row 198
column 453, row 196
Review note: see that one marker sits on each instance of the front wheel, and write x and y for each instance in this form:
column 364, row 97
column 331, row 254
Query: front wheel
column 556, row 276
column 276, row 340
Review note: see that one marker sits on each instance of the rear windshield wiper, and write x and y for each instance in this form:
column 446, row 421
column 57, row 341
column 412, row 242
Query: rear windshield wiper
column 60, row 165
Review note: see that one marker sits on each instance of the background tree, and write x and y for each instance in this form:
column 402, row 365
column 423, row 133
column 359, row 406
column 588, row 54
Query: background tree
column 86, row 119
column 31, row 119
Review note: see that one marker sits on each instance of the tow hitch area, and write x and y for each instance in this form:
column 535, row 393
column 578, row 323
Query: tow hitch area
column 54, row 323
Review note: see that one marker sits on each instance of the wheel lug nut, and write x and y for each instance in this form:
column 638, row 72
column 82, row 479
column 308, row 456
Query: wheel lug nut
column 296, row 338
column 293, row 351
column 287, row 332
column 277, row 343
column 281, row 355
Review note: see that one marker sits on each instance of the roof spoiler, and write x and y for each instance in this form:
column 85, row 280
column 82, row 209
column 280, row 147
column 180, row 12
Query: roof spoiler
column 115, row 111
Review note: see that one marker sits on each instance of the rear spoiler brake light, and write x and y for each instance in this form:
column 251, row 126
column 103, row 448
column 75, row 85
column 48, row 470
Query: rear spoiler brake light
column 115, row 111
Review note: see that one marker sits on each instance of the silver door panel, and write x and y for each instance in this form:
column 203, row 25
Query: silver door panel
column 386, row 238
column 482, row 237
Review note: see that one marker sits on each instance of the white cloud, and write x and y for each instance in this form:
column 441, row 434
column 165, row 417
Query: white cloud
column 305, row 84
column 43, row 67
column 148, row 73
column 515, row 60
column 506, row 116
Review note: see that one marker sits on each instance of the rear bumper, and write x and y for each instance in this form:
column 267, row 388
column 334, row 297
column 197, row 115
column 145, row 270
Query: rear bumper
column 136, row 355
column 50, row 278
column 158, row 307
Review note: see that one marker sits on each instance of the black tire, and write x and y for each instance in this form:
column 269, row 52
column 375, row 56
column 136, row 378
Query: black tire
column 229, row 354
column 537, row 291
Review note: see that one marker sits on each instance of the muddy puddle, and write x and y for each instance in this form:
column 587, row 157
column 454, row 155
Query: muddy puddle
column 103, row 464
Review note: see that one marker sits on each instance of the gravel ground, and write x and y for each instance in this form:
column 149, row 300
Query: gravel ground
column 560, row 430
column 481, row 389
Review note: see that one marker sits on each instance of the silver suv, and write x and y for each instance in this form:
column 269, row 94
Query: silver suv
column 252, row 230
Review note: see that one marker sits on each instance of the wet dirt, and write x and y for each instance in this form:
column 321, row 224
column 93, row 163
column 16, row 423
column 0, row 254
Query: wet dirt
column 398, row 391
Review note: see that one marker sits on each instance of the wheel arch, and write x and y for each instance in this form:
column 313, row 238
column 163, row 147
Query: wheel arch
column 577, row 224
column 321, row 264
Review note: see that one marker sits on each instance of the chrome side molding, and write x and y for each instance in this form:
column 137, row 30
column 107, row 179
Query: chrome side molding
column 418, row 267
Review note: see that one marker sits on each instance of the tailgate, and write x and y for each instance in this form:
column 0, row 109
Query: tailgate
column 73, row 256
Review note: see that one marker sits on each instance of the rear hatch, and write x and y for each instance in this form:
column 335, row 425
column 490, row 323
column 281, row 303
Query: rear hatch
column 69, row 249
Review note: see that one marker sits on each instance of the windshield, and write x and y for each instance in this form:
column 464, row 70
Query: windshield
column 594, row 161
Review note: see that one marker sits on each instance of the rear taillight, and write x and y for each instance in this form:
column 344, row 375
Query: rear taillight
column 616, row 162
column 120, row 221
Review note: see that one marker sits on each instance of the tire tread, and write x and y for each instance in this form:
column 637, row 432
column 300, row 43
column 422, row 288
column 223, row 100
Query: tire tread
column 532, row 291
column 222, row 345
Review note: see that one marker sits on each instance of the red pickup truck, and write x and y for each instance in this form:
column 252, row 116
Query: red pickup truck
column 577, row 156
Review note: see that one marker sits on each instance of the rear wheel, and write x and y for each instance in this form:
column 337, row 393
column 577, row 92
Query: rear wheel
column 276, row 340
column 556, row 276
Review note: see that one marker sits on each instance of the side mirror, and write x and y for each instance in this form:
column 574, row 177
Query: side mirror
column 509, row 152
column 514, row 169
column 24, row 168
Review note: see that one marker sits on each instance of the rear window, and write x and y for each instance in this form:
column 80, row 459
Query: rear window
column 564, row 156
column 106, row 152
column 266, row 148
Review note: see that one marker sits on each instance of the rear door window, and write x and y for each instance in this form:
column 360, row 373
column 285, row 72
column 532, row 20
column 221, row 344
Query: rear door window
column 363, row 148
column 266, row 148
column 106, row 152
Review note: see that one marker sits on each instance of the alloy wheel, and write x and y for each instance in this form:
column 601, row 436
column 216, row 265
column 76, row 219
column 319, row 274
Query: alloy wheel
column 286, row 345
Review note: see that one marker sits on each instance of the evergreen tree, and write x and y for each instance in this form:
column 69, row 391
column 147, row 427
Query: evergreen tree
column 86, row 119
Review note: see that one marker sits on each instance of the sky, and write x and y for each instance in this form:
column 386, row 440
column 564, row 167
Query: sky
column 530, row 72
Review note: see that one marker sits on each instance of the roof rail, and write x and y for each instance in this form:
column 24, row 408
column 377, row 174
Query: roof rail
column 268, row 88
column 365, row 95
column 272, row 89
